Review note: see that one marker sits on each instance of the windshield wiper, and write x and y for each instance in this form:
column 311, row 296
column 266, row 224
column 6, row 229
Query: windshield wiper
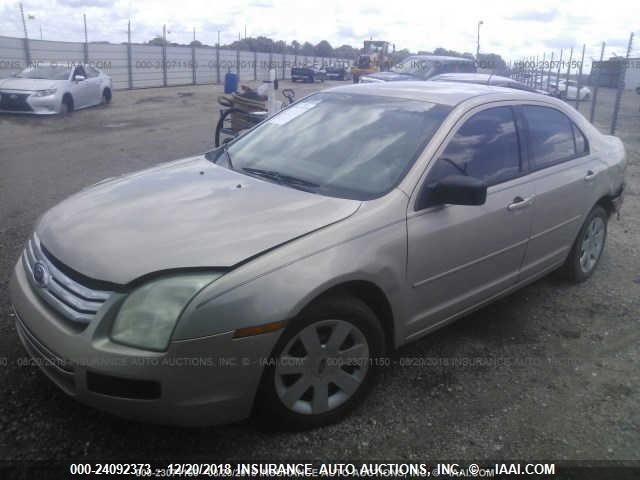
column 281, row 178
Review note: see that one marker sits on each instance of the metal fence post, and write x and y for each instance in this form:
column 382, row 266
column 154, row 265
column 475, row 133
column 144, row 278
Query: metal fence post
column 193, row 63
column 621, row 78
column 129, row 56
column 238, row 63
column 558, row 72
column 566, row 84
column 86, row 40
column 218, row 62
column 27, row 51
column 164, row 55
column 540, row 75
column 284, row 60
column 595, row 87
column 255, row 65
column 579, row 78
column 549, row 71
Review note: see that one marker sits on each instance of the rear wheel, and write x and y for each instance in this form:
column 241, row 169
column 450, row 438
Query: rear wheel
column 588, row 247
column 323, row 365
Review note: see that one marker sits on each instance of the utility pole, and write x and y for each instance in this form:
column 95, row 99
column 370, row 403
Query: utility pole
column 27, row 52
column 194, row 34
column 478, row 44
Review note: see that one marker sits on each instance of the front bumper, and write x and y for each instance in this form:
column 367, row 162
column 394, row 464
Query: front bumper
column 202, row 381
column 26, row 103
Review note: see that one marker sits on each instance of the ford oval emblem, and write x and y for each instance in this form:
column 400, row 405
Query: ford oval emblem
column 41, row 274
column 13, row 96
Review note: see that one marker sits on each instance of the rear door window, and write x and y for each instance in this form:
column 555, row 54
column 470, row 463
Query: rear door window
column 551, row 136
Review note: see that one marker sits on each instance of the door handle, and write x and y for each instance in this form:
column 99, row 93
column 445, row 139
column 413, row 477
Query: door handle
column 520, row 203
column 590, row 175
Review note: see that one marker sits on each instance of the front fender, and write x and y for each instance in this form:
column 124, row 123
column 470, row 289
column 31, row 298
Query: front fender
column 278, row 285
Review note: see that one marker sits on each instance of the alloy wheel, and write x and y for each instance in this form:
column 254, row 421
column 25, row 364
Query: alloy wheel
column 592, row 244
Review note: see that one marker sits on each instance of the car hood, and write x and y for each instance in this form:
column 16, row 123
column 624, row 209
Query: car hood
column 188, row 213
column 29, row 84
column 392, row 76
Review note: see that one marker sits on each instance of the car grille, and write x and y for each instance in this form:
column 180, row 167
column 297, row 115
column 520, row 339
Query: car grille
column 16, row 102
column 69, row 298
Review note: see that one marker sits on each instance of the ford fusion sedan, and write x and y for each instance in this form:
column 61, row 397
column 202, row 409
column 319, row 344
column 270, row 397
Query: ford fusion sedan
column 47, row 88
column 422, row 67
column 270, row 275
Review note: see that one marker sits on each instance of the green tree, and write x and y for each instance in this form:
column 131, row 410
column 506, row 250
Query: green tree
column 307, row 49
column 158, row 40
column 324, row 49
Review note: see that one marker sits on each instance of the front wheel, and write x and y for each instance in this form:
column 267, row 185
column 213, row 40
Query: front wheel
column 106, row 96
column 323, row 366
column 588, row 247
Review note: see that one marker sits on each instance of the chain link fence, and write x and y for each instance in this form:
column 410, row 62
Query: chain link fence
column 611, row 81
column 134, row 65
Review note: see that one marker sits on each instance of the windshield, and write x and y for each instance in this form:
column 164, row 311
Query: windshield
column 414, row 66
column 47, row 72
column 337, row 144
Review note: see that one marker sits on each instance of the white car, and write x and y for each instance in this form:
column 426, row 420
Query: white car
column 569, row 92
column 47, row 88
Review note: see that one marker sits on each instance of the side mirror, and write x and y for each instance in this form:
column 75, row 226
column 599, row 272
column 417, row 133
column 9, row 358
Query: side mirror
column 79, row 78
column 454, row 190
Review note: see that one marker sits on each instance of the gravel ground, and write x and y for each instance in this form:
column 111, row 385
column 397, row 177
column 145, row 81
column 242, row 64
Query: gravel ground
column 550, row 372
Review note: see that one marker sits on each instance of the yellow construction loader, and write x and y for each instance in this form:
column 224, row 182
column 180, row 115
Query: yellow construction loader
column 374, row 58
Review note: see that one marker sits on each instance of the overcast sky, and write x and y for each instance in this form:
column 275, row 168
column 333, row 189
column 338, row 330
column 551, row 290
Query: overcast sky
column 511, row 29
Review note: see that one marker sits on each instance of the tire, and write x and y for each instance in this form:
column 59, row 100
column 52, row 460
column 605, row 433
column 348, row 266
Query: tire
column 66, row 107
column 310, row 79
column 106, row 96
column 292, row 395
column 588, row 246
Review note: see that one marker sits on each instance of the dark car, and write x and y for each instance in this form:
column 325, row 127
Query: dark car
column 308, row 73
column 486, row 79
column 422, row 67
column 338, row 71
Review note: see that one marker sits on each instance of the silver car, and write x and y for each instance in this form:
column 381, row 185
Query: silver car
column 274, row 273
column 50, row 88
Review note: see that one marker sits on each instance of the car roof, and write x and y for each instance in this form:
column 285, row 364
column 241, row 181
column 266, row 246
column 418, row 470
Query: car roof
column 444, row 93
column 53, row 64
column 487, row 78
column 440, row 58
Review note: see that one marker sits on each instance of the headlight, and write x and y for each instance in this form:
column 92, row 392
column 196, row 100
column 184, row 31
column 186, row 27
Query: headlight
column 149, row 314
column 45, row 93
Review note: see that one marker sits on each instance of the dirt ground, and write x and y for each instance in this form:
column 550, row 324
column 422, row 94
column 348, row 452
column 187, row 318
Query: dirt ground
column 551, row 372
